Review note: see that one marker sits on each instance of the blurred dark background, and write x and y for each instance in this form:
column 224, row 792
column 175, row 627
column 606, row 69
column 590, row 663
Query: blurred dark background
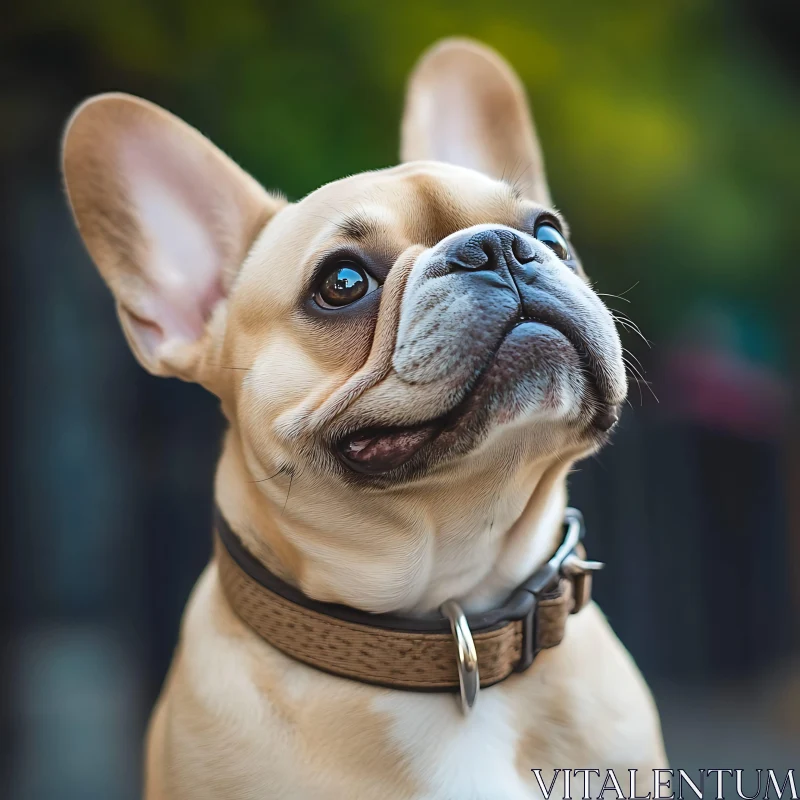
column 671, row 133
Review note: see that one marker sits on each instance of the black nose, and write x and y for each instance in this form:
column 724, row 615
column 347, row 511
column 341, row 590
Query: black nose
column 490, row 249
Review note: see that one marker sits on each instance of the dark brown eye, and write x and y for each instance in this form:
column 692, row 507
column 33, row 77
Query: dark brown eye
column 344, row 284
column 550, row 236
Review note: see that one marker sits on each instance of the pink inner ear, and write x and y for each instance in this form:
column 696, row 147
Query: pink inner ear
column 179, row 209
column 456, row 128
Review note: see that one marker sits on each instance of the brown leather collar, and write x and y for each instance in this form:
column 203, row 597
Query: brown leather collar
column 406, row 652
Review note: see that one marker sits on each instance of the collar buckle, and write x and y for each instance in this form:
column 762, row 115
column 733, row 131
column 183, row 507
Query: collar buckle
column 565, row 578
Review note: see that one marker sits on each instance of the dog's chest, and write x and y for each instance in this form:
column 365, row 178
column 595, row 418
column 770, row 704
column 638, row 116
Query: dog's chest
column 240, row 719
column 244, row 717
column 452, row 756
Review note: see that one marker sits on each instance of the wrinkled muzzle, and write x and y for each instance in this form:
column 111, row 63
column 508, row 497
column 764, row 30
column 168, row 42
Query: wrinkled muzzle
column 493, row 329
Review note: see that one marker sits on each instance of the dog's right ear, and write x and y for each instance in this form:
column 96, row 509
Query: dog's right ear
column 168, row 219
column 465, row 105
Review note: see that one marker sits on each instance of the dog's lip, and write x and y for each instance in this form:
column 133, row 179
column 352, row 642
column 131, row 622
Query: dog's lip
column 350, row 447
column 376, row 450
column 606, row 412
column 370, row 450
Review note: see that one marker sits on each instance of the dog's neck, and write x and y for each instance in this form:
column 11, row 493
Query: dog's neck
column 398, row 550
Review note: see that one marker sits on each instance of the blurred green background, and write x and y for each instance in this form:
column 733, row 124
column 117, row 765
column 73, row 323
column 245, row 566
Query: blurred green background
column 670, row 133
column 670, row 129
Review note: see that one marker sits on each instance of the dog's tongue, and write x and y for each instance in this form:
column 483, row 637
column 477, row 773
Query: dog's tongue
column 382, row 450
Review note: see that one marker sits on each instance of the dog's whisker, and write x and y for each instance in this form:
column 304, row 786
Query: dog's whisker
column 262, row 480
column 633, row 328
column 615, row 296
column 635, row 358
column 629, row 325
column 640, row 379
column 632, row 286
column 625, row 354
column 596, row 458
column 619, row 296
column 516, row 181
column 625, row 320
column 512, row 181
column 324, row 218
column 288, row 492
column 638, row 385
column 503, row 171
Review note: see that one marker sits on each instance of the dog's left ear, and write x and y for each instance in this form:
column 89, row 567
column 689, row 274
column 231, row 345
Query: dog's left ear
column 168, row 219
column 465, row 105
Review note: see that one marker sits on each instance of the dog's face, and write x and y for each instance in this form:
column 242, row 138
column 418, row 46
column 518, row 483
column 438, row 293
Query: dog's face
column 400, row 321
column 387, row 329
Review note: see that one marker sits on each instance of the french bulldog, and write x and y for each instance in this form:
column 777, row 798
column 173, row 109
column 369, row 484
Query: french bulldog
column 409, row 361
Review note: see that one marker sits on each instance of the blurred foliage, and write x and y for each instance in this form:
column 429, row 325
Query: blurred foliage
column 669, row 129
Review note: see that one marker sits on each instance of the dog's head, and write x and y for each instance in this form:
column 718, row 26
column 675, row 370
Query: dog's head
column 386, row 326
column 386, row 331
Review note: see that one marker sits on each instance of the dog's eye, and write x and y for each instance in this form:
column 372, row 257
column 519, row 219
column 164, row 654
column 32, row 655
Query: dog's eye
column 548, row 235
column 344, row 284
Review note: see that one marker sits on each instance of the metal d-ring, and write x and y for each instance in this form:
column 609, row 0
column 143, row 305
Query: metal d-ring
column 466, row 654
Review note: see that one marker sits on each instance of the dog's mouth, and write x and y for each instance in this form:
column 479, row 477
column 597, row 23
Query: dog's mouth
column 376, row 450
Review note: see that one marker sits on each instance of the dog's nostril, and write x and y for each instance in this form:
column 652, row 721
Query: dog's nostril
column 489, row 250
column 470, row 257
column 522, row 250
column 456, row 262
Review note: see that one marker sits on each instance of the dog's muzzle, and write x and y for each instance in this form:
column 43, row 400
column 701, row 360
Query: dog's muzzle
column 493, row 328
